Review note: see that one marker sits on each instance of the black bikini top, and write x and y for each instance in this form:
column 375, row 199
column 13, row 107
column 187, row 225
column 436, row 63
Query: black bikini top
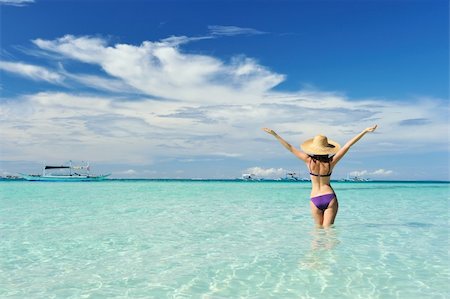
column 320, row 175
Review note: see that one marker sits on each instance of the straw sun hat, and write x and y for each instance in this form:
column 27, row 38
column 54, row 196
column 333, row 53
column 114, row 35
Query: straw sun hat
column 320, row 145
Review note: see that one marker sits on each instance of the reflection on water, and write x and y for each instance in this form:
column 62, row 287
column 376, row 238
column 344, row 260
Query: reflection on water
column 321, row 255
column 324, row 238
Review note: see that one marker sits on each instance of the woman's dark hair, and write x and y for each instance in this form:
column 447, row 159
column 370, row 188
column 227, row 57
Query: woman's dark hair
column 322, row 158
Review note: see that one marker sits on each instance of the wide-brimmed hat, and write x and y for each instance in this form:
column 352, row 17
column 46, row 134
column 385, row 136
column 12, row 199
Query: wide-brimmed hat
column 320, row 145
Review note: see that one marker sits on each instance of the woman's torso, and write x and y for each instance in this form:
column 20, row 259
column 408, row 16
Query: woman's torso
column 320, row 176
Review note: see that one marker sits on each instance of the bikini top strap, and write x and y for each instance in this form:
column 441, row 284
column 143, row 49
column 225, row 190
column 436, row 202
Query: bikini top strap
column 310, row 169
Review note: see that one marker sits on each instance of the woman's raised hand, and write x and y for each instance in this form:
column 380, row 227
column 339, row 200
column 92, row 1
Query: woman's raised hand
column 371, row 129
column 270, row 131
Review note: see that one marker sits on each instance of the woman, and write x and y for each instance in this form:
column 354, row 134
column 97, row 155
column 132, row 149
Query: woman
column 320, row 156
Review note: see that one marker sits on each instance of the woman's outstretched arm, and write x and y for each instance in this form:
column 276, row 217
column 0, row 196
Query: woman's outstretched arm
column 299, row 154
column 341, row 153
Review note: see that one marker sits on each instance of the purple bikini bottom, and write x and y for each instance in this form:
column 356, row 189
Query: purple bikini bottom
column 322, row 201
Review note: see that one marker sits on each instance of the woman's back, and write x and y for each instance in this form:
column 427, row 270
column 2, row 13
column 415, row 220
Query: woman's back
column 320, row 169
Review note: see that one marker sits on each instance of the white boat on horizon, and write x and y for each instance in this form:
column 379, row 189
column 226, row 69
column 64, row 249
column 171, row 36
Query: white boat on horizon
column 250, row 177
column 292, row 176
column 354, row 179
column 65, row 173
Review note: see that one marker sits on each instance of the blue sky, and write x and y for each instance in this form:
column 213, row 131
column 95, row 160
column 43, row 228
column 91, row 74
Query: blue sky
column 180, row 89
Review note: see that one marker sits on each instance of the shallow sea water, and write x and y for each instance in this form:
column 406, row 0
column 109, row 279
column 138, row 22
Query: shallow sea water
column 179, row 239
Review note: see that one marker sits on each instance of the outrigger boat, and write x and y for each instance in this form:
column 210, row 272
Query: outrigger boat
column 65, row 173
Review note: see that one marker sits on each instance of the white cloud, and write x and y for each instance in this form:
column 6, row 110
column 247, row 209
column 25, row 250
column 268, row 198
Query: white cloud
column 103, row 128
column 16, row 2
column 382, row 172
column 129, row 172
column 33, row 72
column 266, row 172
column 194, row 106
column 160, row 69
column 378, row 172
column 358, row 173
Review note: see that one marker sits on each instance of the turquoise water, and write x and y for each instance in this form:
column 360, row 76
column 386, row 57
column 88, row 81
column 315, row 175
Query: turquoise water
column 178, row 239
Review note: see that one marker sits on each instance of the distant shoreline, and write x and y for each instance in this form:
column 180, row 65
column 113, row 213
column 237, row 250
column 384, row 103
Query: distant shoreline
column 18, row 179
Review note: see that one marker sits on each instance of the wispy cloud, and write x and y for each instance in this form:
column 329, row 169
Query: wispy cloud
column 414, row 122
column 232, row 30
column 180, row 40
column 101, row 83
column 266, row 172
column 16, row 2
column 33, row 72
